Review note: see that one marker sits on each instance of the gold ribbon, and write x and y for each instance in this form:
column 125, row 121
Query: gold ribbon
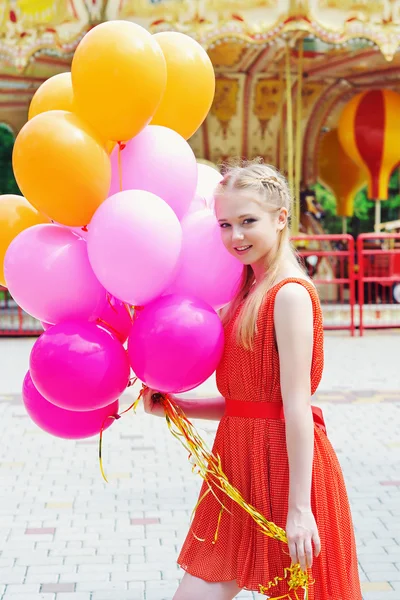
column 209, row 467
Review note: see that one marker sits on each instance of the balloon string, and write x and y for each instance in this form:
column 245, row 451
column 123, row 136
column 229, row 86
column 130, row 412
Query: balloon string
column 128, row 310
column 116, row 417
column 121, row 146
column 102, row 322
column 110, row 303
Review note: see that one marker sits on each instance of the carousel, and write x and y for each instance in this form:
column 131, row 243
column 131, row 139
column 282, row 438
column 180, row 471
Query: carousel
column 311, row 86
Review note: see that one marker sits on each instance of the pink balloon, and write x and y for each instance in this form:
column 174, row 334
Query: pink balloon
column 117, row 319
column 79, row 366
column 49, row 275
column 207, row 183
column 79, row 231
column 160, row 161
column 206, row 269
column 134, row 244
column 176, row 343
column 63, row 423
column 197, row 204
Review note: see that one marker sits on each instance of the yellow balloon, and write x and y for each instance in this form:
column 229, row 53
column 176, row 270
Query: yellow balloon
column 337, row 171
column 62, row 167
column 190, row 84
column 16, row 214
column 54, row 94
column 119, row 77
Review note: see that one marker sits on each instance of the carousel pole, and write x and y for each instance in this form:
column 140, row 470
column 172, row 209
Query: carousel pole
column 344, row 225
column 281, row 128
column 377, row 216
column 298, row 154
column 289, row 127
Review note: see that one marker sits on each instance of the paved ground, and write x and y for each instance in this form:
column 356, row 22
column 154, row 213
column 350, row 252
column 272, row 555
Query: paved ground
column 66, row 535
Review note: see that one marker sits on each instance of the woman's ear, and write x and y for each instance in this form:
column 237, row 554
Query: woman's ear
column 282, row 218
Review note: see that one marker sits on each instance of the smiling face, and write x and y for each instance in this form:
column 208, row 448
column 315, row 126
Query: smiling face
column 250, row 227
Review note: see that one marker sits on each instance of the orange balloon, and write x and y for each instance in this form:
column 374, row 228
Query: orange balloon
column 57, row 93
column 190, row 84
column 54, row 94
column 16, row 214
column 119, row 77
column 337, row 171
column 62, row 167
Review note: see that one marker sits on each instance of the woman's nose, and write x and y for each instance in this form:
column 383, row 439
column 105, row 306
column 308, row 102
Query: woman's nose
column 237, row 235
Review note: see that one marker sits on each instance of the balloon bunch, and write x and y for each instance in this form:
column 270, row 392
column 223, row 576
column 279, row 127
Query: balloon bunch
column 115, row 240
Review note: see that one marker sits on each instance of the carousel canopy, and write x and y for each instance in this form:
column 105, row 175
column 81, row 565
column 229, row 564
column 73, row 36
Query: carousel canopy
column 297, row 61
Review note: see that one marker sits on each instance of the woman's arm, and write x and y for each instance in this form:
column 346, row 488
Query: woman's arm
column 293, row 320
column 211, row 409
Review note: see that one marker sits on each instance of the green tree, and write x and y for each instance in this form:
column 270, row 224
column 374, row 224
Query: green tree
column 8, row 185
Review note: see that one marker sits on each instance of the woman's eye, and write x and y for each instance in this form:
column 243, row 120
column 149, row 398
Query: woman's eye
column 224, row 225
column 249, row 221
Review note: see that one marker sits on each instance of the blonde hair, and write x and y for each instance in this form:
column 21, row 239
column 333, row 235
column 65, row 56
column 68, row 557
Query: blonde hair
column 272, row 189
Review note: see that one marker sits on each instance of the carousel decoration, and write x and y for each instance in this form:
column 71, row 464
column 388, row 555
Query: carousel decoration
column 339, row 173
column 284, row 70
column 369, row 130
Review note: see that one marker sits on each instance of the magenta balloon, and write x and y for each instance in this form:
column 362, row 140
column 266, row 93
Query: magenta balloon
column 117, row 319
column 79, row 366
column 49, row 275
column 176, row 343
column 134, row 243
column 63, row 423
column 160, row 161
column 206, row 269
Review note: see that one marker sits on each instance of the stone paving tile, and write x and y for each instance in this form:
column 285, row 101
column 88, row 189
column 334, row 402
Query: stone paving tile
column 63, row 528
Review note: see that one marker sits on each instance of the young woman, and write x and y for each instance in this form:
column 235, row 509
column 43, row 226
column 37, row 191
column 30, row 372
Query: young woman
column 272, row 442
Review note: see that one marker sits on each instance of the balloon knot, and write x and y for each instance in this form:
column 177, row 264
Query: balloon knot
column 121, row 145
column 116, row 417
column 84, row 228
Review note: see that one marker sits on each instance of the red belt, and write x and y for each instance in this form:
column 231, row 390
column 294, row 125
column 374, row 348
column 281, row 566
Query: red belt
column 266, row 410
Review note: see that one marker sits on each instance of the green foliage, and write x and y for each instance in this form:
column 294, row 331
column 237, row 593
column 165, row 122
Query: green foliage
column 8, row 185
column 364, row 209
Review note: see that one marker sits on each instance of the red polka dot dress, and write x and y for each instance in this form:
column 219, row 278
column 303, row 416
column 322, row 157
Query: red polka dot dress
column 254, row 457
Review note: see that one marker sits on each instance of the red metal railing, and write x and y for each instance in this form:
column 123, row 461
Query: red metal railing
column 13, row 320
column 379, row 280
column 367, row 299
column 329, row 261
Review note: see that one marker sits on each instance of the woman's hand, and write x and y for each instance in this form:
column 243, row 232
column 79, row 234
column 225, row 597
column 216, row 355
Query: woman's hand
column 152, row 406
column 302, row 533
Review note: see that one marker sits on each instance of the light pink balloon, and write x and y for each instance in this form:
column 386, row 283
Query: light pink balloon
column 134, row 243
column 207, row 183
column 79, row 231
column 49, row 275
column 63, row 423
column 206, row 269
column 197, row 204
column 160, row 161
